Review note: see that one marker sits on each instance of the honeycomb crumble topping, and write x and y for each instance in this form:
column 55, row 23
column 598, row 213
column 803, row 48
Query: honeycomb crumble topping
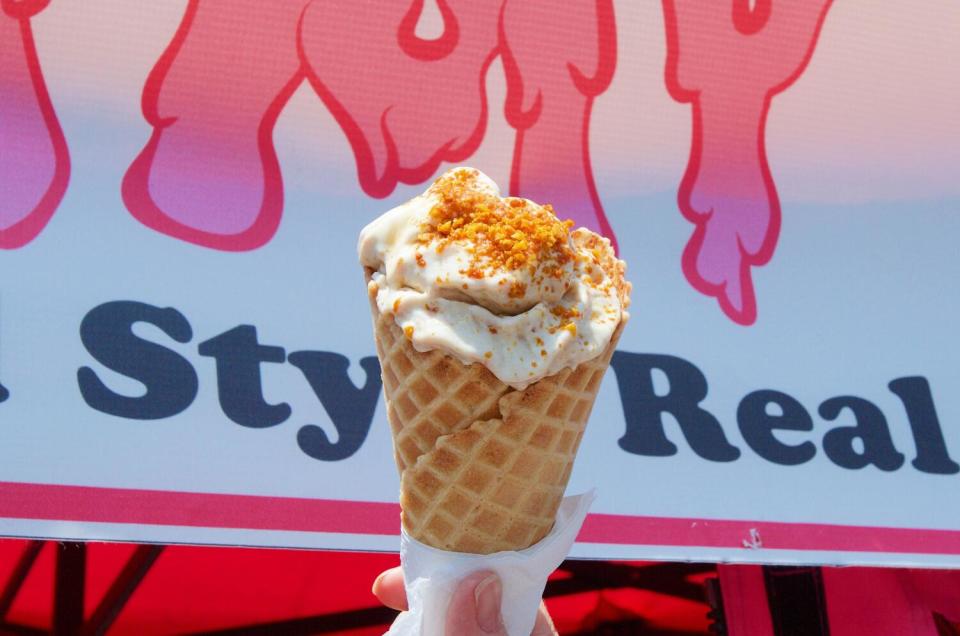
column 551, row 294
column 513, row 234
column 503, row 234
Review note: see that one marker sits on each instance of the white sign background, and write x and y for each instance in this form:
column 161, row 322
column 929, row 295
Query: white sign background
column 863, row 289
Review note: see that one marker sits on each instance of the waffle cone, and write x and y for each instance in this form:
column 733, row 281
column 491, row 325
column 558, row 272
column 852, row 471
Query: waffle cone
column 483, row 467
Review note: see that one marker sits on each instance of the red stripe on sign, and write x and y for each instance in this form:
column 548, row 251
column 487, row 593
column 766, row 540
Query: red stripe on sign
column 720, row 533
column 252, row 512
column 169, row 508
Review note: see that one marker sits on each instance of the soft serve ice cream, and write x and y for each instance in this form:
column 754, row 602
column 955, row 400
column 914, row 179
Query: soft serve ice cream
column 499, row 281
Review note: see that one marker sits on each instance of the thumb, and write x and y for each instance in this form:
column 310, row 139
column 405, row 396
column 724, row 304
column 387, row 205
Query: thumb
column 475, row 607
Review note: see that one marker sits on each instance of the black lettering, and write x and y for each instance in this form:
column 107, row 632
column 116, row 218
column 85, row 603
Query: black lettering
column 932, row 455
column 107, row 333
column 239, row 385
column 643, row 408
column 350, row 409
column 757, row 426
column 871, row 429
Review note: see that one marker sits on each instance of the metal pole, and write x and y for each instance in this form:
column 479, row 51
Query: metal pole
column 122, row 589
column 797, row 601
column 68, row 588
column 19, row 575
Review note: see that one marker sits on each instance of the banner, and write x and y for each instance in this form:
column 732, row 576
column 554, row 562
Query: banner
column 186, row 352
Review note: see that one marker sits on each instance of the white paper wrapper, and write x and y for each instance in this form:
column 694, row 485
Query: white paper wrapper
column 431, row 575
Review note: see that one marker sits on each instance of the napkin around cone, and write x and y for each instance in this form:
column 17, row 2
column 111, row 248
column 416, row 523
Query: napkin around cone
column 432, row 575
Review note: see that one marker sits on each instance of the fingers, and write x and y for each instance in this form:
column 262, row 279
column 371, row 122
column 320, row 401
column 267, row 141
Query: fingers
column 475, row 606
column 544, row 625
column 389, row 589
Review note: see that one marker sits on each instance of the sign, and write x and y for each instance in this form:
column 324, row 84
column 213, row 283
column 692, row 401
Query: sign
column 185, row 344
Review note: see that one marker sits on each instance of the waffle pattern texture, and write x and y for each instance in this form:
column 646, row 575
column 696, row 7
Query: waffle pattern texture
column 483, row 467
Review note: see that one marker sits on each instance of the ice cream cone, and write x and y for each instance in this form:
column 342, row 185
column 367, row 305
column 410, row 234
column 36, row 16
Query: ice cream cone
column 483, row 466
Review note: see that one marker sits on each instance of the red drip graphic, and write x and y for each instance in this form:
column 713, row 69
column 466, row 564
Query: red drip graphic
column 428, row 50
column 556, row 63
column 209, row 173
column 34, row 161
column 728, row 61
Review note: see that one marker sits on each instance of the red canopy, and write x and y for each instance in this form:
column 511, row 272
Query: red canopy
column 187, row 589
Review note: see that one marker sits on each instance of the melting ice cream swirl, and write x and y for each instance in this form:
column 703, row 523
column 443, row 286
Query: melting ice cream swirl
column 497, row 281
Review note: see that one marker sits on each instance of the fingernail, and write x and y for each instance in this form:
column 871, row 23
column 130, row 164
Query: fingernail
column 488, row 594
column 376, row 582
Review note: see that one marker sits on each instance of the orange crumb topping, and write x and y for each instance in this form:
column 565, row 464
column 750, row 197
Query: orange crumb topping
column 504, row 234
column 408, row 332
column 567, row 316
column 488, row 354
column 396, row 305
column 566, row 313
column 595, row 250
column 492, row 329
column 420, row 261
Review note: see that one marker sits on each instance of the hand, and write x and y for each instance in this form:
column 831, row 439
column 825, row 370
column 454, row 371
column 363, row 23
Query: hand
column 474, row 609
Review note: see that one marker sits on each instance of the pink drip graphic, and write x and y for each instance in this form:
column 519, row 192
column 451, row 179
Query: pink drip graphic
column 209, row 173
column 729, row 61
column 34, row 161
